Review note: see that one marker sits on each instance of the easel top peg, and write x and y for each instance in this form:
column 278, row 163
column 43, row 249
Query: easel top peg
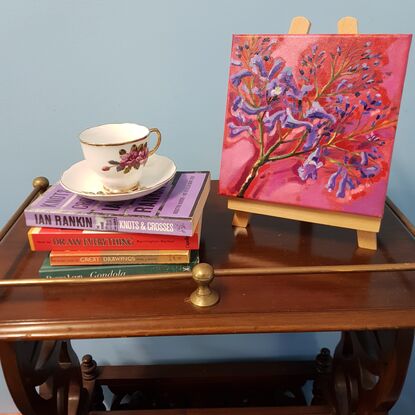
column 347, row 26
column 299, row 26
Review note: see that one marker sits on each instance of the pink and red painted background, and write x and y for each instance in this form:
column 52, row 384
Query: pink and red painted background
column 311, row 119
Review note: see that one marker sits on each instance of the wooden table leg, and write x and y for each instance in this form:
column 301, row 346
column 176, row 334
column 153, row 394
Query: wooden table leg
column 51, row 365
column 369, row 369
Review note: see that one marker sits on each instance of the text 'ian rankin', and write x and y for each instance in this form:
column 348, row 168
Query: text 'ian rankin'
column 63, row 221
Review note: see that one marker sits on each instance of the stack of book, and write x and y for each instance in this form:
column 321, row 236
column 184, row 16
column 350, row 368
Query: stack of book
column 157, row 233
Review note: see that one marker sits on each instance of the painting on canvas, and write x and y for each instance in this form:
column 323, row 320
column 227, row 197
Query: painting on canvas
column 311, row 119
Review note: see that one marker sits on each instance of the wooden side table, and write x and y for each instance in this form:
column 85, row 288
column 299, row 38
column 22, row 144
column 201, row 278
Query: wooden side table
column 375, row 311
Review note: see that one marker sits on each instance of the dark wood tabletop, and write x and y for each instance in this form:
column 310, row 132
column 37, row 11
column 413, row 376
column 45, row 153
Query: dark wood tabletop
column 249, row 304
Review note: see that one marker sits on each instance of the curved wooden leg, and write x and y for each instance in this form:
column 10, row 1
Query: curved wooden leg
column 50, row 365
column 369, row 369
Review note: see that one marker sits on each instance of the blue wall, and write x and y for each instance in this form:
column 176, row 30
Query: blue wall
column 69, row 65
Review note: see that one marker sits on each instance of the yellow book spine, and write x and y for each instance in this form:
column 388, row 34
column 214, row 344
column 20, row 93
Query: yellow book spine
column 119, row 257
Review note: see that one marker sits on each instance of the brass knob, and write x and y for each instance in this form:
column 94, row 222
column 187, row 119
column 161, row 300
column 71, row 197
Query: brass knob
column 40, row 182
column 203, row 296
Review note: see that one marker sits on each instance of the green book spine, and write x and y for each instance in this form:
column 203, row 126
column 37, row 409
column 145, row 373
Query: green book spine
column 108, row 271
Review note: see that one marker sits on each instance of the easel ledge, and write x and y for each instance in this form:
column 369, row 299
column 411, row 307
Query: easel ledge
column 366, row 227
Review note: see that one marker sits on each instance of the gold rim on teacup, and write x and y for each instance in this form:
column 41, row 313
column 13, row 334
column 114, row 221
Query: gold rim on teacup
column 132, row 140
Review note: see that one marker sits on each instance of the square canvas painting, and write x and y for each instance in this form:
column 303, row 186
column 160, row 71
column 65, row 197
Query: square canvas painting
column 311, row 119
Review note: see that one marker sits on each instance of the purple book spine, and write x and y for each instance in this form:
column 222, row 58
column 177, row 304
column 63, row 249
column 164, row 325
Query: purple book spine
column 180, row 227
column 167, row 211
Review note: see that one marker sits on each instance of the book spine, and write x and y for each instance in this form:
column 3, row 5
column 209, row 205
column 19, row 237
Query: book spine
column 95, row 222
column 67, row 241
column 114, row 258
column 111, row 271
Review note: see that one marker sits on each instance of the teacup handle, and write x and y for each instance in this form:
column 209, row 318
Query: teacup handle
column 153, row 150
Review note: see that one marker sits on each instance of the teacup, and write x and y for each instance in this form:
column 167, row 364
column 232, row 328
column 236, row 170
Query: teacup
column 117, row 153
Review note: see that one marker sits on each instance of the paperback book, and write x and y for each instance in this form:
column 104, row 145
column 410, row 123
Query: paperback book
column 53, row 239
column 108, row 271
column 119, row 257
column 174, row 209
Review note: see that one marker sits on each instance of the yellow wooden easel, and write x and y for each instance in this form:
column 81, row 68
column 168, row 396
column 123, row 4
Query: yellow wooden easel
column 366, row 227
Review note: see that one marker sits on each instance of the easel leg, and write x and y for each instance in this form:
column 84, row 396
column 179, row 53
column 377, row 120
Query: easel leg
column 367, row 240
column 240, row 219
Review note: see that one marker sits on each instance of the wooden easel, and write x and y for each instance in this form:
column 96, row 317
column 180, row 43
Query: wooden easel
column 366, row 227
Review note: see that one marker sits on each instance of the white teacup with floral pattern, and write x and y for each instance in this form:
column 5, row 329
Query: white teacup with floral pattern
column 117, row 153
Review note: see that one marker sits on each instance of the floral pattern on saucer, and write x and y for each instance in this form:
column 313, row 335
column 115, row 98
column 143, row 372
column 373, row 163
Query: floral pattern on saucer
column 136, row 157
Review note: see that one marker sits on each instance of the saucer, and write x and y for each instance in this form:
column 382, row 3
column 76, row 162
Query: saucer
column 83, row 181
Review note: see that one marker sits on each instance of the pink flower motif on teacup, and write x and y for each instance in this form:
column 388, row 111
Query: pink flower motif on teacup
column 136, row 157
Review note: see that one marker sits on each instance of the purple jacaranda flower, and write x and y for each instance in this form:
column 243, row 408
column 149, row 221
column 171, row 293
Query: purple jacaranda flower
column 256, row 91
column 249, row 109
column 240, row 117
column 331, row 183
column 286, row 80
column 237, row 103
column 289, row 87
column 235, row 130
column 375, row 139
column 364, row 159
column 372, row 152
column 237, row 78
column 240, row 104
column 310, row 166
column 290, row 122
column 341, row 84
column 274, row 89
column 345, row 181
column 278, row 64
column 285, row 84
column 300, row 93
column 311, row 139
column 370, row 171
column 317, row 111
column 257, row 65
column 236, row 63
column 271, row 120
